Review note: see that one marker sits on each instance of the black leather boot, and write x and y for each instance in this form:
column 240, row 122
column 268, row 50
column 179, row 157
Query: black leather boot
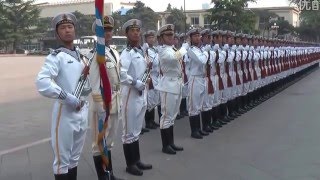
column 171, row 142
column 144, row 130
column 61, row 177
column 149, row 119
column 165, row 136
column 72, row 173
column 101, row 173
column 220, row 115
column 129, row 153
column 214, row 125
column 206, row 119
column 194, row 131
column 110, row 169
column 137, row 160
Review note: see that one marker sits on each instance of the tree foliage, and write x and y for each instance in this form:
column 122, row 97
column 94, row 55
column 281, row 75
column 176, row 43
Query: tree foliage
column 84, row 24
column 309, row 23
column 18, row 20
column 231, row 15
column 145, row 14
column 177, row 18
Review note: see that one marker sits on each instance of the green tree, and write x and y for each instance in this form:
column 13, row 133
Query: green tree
column 265, row 20
column 284, row 27
column 309, row 23
column 119, row 20
column 177, row 18
column 20, row 18
column 231, row 15
column 169, row 8
column 84, row 24
column 145, row 14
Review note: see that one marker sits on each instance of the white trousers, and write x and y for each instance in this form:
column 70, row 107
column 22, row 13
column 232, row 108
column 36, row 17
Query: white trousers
column 68, row 132
column 170, row 106
column 153, row 99
column 215, row 98
column 133, row 110
column 197, row 91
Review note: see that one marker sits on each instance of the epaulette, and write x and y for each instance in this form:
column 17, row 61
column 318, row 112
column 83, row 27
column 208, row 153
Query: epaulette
column 55, row 51
column 128, row 48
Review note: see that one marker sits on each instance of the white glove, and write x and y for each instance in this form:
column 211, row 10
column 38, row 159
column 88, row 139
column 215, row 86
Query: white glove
column 145, row 46
column 233, row 47
column 185, row 45
column 216, row 47
column 72, row 101
column 207, row 47
column 140, row 85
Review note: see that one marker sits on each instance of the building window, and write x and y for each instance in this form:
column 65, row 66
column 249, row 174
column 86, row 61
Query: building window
column 195, row 21
column 206, row 23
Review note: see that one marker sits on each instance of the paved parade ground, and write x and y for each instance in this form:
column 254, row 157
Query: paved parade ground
column 277, row 140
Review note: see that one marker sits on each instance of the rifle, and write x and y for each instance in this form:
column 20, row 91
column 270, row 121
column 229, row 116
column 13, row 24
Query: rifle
column 229, row 82
column 255, row 75
column 248, row 69
column 83, row 77
column 221, row 87
column 235, row 67
column 244, row 77
column 210, row 86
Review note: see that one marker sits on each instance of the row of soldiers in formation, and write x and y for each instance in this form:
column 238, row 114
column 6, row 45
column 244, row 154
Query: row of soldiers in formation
column 214, row 75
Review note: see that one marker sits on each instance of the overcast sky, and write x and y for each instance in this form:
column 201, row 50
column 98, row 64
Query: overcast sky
column 161, row 5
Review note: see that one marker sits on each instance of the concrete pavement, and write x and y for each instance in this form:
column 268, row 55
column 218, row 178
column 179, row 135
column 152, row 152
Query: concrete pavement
column 277, row 140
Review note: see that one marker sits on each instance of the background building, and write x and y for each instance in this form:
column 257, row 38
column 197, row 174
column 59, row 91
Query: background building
column 86, row 7
column 198, row 18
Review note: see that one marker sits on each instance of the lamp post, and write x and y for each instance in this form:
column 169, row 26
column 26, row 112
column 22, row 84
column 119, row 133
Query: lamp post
column 275, row 27
column 185, row 15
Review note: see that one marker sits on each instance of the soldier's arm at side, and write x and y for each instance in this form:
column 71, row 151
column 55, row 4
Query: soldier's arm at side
column 222, row 56
column 125, row 61
column 94, row 77
column 45, row 79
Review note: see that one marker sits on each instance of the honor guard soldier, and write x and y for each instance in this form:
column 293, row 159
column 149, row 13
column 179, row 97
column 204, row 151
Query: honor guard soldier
column 197, row 82
column 238, row 70
column 170, row 86
column 215, row 99
column 133, row 76
column 183, row 106
column 58, row 80
column 206, row 114
column 97, row 106
column 153, row 94
column 225, row 75
column 218, row 111
column 230, row 62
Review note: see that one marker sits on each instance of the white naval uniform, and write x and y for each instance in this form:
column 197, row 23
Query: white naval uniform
column 197, row 81
column 97, row 112
column 208, row 99
column 246, row 70
column 230, row 60
column 238, row 60
column 250, row 68
column 132, row 67
column 222, row 57
column 153, row 94
column 226, row 91
column 256, row 59
column 61, row 72
column 170, row 84
column 215, row 98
